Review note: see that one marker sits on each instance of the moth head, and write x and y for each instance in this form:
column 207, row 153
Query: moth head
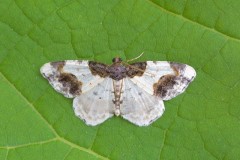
column 117, row 60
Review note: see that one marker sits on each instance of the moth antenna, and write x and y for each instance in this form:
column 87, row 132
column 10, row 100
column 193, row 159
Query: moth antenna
column 135, row 57
column 136, row 67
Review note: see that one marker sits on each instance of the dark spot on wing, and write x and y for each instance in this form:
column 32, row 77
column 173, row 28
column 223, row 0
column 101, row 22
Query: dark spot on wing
column 179, row 68
column 70, row 83
column 66, row 83
column 163, row 85
column 98, row 69
column 58, row 65
column 167, row 86
column 171, row 85
column 136, row 69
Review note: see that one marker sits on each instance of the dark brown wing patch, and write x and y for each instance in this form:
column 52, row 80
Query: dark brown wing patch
column 169, row 86
column 163, row 85
column 177, row 67
column 98, row 69
column 58, row 65
column 136, row 69
column 70, row 81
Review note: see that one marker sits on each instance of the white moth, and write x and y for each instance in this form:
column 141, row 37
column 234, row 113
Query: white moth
column 134, row 91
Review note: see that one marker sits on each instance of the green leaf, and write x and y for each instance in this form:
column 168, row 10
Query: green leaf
column 38, row 123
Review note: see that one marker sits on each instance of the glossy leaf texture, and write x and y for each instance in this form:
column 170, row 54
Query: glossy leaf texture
column 38, row 123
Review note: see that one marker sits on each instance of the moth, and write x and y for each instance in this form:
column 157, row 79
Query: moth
column 134, row 91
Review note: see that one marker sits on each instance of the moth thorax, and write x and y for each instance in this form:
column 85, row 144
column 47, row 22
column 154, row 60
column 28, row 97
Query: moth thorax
column 117, row 71
column 117, row 60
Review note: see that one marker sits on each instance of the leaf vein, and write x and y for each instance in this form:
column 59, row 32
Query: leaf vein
column 194, row 22
column 50, row 127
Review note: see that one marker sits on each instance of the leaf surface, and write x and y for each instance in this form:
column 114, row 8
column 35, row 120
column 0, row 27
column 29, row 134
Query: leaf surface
column 38, row 123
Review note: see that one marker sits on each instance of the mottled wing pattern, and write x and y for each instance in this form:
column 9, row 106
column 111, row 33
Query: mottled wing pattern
column 165, row 79
column 71, row 77
column 144, row 86
column 138, row 106
column 95, row 106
